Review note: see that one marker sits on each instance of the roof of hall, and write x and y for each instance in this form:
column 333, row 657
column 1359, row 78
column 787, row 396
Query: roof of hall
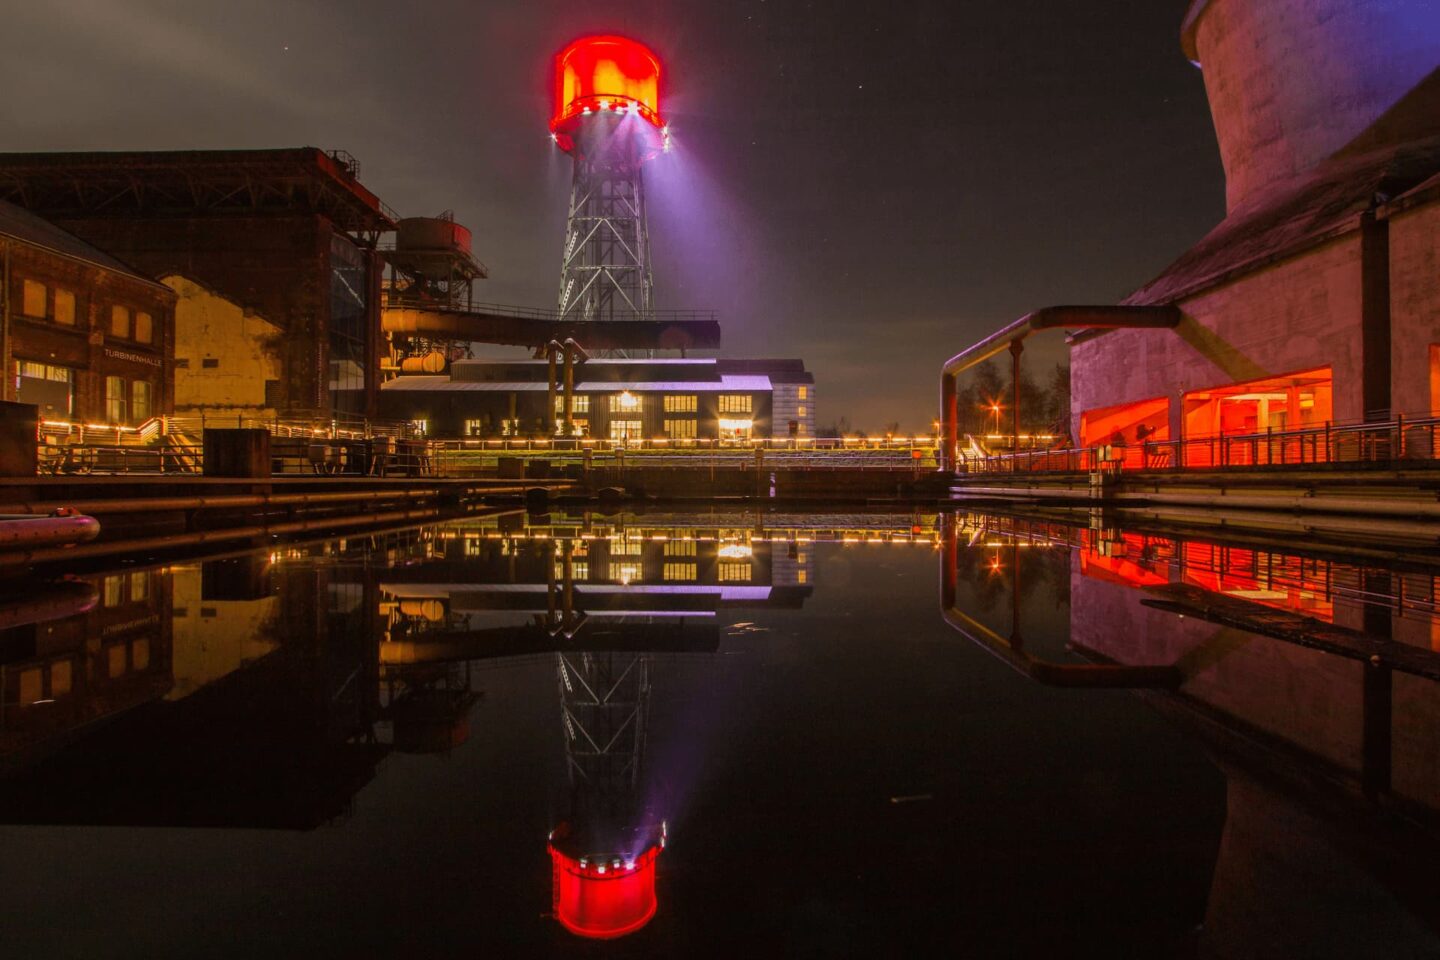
column 24, row 226
column 1320, row 205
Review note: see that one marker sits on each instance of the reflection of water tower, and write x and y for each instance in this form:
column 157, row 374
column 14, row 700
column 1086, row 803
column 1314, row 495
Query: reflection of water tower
column 603, row 857
column 607, row 117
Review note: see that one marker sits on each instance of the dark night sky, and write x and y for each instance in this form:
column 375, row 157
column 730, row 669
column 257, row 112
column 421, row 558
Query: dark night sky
column 870, row 186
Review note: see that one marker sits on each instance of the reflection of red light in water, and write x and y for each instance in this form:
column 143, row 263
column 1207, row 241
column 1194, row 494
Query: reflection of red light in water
column 601, row 900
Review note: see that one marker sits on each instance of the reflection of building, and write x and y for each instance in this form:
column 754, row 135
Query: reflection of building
column 62, row 674
column 678, row 399
column 83, row 336
column 1315, row 298
column 1311, row 680
column 284, row 235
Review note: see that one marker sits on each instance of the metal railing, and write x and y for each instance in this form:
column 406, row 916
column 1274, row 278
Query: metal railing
column 1403, row 440
column 396, row 300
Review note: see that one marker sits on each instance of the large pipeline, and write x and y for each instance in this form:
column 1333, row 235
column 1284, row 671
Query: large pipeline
column 1112, row 317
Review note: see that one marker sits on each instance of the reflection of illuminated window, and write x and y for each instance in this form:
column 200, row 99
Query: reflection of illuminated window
column 114, row 588
column 735, row 551
column 139, row 586
column 735, row 403
column 626, row 571
column 801, row 576
column 734, row 572
column 626, row 548
column 140, row 654
column 679, row 548
column 681, row 571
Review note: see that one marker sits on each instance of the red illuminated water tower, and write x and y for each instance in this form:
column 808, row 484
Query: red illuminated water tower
column 607, row 117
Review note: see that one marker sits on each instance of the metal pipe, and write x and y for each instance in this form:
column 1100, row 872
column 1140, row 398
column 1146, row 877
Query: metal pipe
column 1165, row 316
column 5, row 388
column 551, row 350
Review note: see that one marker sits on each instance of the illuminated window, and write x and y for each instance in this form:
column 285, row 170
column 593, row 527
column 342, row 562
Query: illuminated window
column 144, row 327
column 115, row 399
column 734, row 572
column 676, row 403
column 49, row 387
column 626, row 429
column 113, row 590
column 580, row 403
column 473, row 428
column 626, row 571
column 626, row 402
column 800, row 410
column 31, row 685
column 141, row 397
column 626, row 548
column 32, row 300
column 65, row 307
column 140, row 654
column 60, row 678
column 115, row 661
column 681, row 571
column 735, row 428
column 422, row 427
column 680, row 429
column 139, row 586
column 680, row 548
column 510, row 428
column 804, row 393
column 120, row 322
column 802, row 575
column 735, row 403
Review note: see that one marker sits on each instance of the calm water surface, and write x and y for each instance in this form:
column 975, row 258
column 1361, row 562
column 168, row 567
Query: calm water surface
column 670, row 734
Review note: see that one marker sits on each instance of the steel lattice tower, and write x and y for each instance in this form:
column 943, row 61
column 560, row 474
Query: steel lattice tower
column 605, row 271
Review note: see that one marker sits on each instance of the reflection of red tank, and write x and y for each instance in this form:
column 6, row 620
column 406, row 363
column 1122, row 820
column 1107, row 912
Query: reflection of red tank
column 604, row 897
column 600, row 82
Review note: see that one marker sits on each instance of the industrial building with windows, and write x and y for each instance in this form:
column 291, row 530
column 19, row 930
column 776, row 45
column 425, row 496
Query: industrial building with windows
column 671, row 398
column 1317, row 299
column 84, row 337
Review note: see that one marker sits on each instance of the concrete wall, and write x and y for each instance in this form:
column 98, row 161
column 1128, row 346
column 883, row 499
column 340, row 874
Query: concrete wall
column 1414, row 305
column 1290, row 82
column 1299, row 314
column 242, row 347
column 787, row 408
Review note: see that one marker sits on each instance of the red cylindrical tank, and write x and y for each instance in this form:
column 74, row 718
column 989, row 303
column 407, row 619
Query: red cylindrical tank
column 600, row 79
column 604, row 898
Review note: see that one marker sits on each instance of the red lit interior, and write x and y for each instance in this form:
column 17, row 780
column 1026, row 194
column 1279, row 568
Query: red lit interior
column 1289, row 402
column 605, row 73
column 600, row 900
column 1127, row 425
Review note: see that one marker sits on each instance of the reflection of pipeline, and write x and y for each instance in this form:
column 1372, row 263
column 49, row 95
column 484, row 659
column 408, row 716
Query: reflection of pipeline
column 1012, row 650
column 48, row 601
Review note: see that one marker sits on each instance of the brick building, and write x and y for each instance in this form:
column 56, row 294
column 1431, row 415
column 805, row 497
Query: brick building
column 273, row 253
column 84, row 337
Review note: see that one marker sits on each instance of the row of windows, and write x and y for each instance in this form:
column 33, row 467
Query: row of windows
column 56, row 304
